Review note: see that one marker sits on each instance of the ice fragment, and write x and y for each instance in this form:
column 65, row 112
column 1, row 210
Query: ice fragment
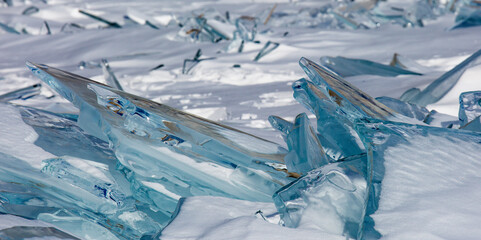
column 347, row 67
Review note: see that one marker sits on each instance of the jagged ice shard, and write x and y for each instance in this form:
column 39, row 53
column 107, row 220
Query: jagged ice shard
column 169, row 151
column 347, row 67
column 441, row 86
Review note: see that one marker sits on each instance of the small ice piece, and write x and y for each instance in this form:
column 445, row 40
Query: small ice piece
column 473, row 125
column 71, row 27
column 332, row 198
column 467, row 16
column 23, row 93
column 89, row 64
column 247, row 28
column 469, row 106
column 346, row 21
column 437, row 119
column 47, row 28
column 30, row 10
column 439, row 87
column 305, row 150
column 109, row 23
column 347, row 67
column 189, row 64
column 109, row 75
column 268, row 48
column 353, row 102
column 405, row 108
column 8, row 29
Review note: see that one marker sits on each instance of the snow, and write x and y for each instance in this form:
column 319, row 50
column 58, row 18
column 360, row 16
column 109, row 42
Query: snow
column 446, row 206
column 224, row 218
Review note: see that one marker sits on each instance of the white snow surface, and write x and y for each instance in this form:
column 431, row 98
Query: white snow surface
column 418, row 201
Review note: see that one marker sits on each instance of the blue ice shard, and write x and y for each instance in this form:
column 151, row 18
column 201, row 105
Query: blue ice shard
column 109, row 75
column 30, row 10
column 268, row 48
column 468, row 16
column 335, row 131
column 100, row 19
column 8, row 29
column 438, row 88
column 175, row 152
column 23, row 93
column 305, row 150
column 332, row 198
column 247, row 28
column 352, row 102
column 347, row 67
column 469, row 106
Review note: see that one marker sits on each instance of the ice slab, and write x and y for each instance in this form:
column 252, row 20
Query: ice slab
column 332, row 198
column 353, row 102
column 184, row 154
column 441, row 86
column 346, row 67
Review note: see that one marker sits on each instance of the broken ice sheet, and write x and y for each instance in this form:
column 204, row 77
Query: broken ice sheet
column 332, row 198
column 185, row 154
column 347, row 67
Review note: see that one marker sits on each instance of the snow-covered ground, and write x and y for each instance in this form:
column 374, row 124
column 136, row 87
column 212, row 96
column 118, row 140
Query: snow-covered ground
column 243, row 97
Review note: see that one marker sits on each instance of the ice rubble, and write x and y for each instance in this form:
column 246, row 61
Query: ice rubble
column 127, row 161
column 330, row 177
